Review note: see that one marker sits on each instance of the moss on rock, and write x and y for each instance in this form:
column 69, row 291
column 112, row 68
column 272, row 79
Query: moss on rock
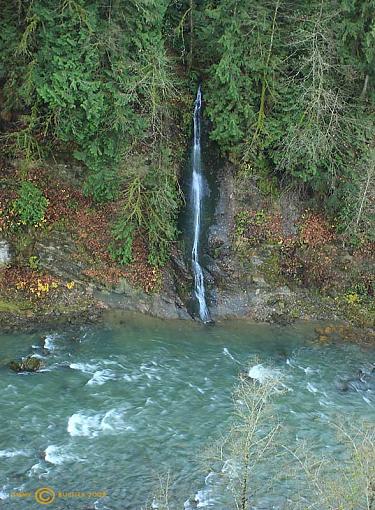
column 28, row 364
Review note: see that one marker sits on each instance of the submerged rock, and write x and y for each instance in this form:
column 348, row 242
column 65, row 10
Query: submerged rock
column 326, row 331
column 362, row 382
column 323, row 338
column 28, row 364
column 342, row 386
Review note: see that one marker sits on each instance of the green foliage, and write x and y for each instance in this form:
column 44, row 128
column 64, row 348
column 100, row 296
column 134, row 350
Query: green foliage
column 162, row 212
column 242, row 220
column 121, row 248
column 290, row 94
column 288, row 87
column 95, row 81
column 30, row 206
column 328, row 127
column 34, row 263
column 242, row 72
column 356, row 30
column 357, row 212
column 272, row 270
column 151, row 204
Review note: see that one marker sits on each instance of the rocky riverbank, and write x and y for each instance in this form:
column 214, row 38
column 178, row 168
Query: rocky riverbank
column 21, row 320
column 272, row 258
column 268, row 259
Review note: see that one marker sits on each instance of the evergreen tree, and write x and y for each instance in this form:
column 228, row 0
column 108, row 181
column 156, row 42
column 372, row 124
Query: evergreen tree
column 289, row 88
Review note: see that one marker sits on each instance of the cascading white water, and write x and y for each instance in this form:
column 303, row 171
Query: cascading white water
column 197, row 196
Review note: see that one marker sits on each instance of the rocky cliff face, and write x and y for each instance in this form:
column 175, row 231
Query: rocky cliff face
column 58, row 255
column 266, row 259
column 236, row 288
column 271, row 259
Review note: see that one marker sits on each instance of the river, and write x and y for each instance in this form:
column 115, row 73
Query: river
column 118, row 404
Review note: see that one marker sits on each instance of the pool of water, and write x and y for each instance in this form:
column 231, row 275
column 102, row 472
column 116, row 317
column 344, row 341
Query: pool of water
column 119, row 404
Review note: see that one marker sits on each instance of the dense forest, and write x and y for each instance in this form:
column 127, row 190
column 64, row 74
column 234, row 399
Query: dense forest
column 109, row 160
column 288, row 88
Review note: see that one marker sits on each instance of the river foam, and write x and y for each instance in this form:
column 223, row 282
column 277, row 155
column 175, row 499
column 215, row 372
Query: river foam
column 78, row 424
column 86, row 368
column 58, row 455
column 49, row 341
column 13, row 453
column 101, row 376
column 111, row 422
column 263, row 374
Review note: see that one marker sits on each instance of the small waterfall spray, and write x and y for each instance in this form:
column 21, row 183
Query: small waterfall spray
column 197, row 196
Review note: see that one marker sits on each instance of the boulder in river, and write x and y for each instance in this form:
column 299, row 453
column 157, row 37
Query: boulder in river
column 28, row 364
column 363, row 381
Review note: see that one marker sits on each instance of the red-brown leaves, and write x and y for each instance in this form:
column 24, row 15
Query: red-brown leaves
column 315, row 230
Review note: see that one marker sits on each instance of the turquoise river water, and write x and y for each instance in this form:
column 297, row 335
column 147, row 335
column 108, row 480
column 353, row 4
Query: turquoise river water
column 119, row 404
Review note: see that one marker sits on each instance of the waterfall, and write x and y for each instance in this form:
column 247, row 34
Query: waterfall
column 197, row 184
